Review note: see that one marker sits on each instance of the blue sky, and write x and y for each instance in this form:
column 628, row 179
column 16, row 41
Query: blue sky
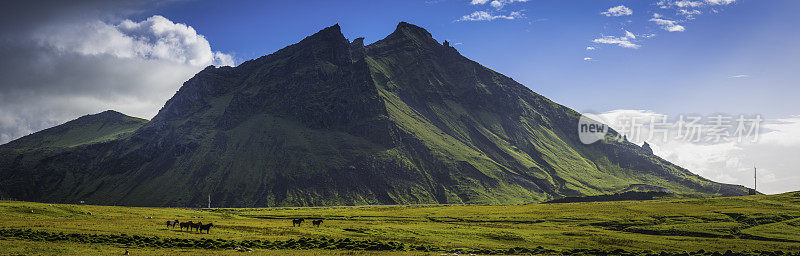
column 620, row 59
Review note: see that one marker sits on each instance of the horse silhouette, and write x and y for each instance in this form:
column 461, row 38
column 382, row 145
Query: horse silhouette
column 196, row 226
column 297, row 222
column 172, row 223
column 316, row 223
column 187, row 225
column 206, row 227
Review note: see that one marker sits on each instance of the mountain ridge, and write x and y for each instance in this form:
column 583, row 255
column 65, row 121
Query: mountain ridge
column 327, row 121
column 106, row 118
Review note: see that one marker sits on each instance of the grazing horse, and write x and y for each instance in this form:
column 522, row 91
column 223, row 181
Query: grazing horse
column 187, row 225
column 206, row 227
column 172, row 223
column 297, row 222
column 316, row 223
column 196, row 226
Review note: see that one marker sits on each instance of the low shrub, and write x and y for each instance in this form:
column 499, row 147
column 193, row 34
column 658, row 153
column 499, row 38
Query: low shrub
column 330, row 244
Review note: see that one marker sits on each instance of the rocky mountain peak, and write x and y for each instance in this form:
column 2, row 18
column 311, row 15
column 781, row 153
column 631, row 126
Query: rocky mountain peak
column 408, row 34
column 647, row 148
column 411, row 29
column 330, row 33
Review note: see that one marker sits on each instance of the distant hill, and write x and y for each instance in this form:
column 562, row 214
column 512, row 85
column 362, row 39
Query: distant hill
column 624, row 196
column 328, row 121
column 107, row 126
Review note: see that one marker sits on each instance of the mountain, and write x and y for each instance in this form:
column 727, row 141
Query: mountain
column 103, row 127
column 327, row 121
column 28, row 164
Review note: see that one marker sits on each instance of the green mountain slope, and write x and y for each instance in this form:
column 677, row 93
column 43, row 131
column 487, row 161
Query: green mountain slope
column 327, row 121
column 97, row 128
column 30, row 166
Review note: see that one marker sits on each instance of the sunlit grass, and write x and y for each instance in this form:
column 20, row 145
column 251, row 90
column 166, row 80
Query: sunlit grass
column 717, row 224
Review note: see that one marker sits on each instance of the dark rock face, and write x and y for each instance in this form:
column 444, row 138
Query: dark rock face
column 327, row 121
column 647, row 148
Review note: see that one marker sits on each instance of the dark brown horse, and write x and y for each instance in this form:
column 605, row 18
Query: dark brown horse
column 297, row 222
column 206, row 227
column 316, row 223
column 187, row 225
column 172, row 223
column 196, row 226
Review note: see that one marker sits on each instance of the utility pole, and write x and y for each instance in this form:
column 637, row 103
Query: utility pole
column 209, row 201
column 755, row 178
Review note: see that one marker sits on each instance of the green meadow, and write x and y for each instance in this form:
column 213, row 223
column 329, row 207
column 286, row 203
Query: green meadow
column 698, row 226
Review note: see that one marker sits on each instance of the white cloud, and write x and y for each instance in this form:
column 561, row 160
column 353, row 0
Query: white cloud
column 685, row 10
column 590, row 48
column 222, row 59
column 630, row 35
column 741, row 76
column 668, row 25
column 154, row 38
column 693, row 4
column 496, row 3
column 683, row 4
column 720, row 2
column 490, row 15
column 587, row 59
column 623, row 41
column 485, row 16
column 724, row 161
column 618, row 11
column 63, row 70
column 689, row 12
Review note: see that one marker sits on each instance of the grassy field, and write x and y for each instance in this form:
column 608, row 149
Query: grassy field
column 739, row 224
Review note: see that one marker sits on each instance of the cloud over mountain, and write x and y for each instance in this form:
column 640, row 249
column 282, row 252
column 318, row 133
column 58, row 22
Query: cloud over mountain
column 66, row 65
column 728, row 159
column 155, row 38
